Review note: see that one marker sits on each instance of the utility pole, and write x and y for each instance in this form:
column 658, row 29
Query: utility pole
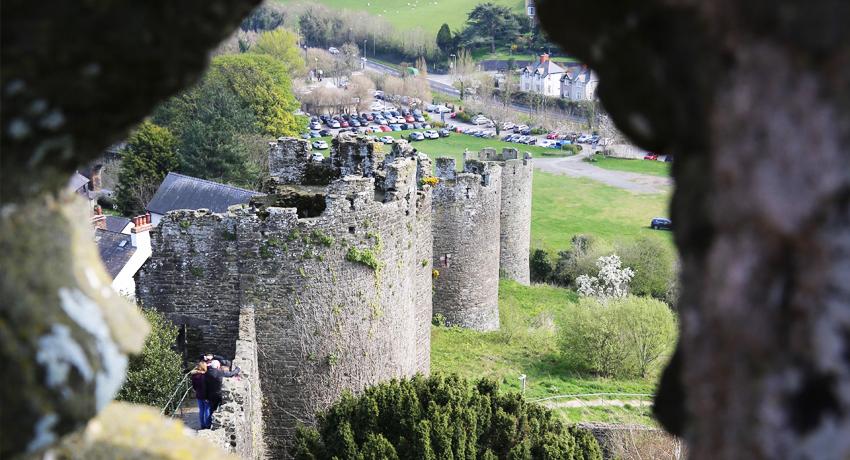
column 364, row 47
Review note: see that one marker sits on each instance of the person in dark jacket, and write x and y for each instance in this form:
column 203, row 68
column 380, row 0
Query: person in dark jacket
column 214, row 379
column 199, row 384
column 209, row 357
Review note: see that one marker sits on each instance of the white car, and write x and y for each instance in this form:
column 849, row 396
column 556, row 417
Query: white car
column 430, row 108
column 508, row 125
column 334, row 124
column 442, row 109
column 417, row 136
column 431, row 134
column 333, row 50
column 320, row 145
column 545, row 143
column 480, row 120
column 387, row 139
column 317, row 157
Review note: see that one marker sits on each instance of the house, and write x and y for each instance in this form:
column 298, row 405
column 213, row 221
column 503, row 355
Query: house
column 184, row 192
column 542, row 78
column 531, row 10
column 124, row 246
column 579, row 84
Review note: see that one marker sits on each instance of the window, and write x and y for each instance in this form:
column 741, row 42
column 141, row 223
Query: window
column 531, row 11
column 446, row 260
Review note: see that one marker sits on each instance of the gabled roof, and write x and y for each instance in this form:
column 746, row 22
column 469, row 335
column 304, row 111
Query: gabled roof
column 115, row 224
column 544, row 68
column 76, row 181
column 581, row 74
column 184, row 192
column 115, row 250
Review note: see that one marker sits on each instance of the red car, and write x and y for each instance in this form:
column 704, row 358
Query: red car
column 452, row 115
column 652, row 157
column 384, row 128
column 552, row 136
column 343, row 124
column 409, row 119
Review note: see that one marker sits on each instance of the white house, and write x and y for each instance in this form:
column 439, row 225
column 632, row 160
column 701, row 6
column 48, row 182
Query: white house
column 579, row 84
column 542, row 78
column 123, row 246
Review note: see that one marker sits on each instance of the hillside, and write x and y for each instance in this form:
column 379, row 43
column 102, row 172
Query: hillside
column 425, row 14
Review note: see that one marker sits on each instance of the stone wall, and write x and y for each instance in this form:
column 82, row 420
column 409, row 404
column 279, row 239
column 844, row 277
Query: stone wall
column 515, row 212
column 238, row 424
column 466, row 243
column 341, row 300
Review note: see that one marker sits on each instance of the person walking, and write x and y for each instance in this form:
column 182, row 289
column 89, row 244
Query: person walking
column 214, row 379
column 198, row 377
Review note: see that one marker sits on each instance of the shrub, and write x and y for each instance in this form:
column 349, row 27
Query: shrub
column 572, row 148
column 578, row 260
column 464, row 117
column 653, row 263
column 441, row 417
column 611, row 282
column 624, row 338
column 153, row 374
column 540, row 265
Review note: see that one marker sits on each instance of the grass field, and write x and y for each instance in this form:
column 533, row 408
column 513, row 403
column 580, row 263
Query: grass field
column 502, row 55
column 428, row 15
column 565, row 206
column 527, row 344
column 655, row 168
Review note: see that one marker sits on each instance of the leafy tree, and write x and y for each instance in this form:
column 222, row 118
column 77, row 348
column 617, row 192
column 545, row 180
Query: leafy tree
column 627, row 337
column 282, row 45
column 491, row 24
column 268, row 16
column 611, row 282
column 440, row 417
column 153, row 374
column 315, row 28
column 444, row 39
column 654, row 265
column 540, row 265
column 263, row 84
column 149, row 156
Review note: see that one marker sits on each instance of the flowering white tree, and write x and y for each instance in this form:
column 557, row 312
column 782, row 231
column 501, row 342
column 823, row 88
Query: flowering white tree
column 611, row 282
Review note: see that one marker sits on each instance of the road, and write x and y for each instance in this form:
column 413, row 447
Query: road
column 574, row 166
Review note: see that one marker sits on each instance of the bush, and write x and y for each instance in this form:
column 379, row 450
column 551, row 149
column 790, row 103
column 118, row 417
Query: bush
column 540, row 265
column 571, row 148
column 653, row 263
column 580, row 259
column 153, row 374
column 628, row 337
column 441, row 417
column 464, row 117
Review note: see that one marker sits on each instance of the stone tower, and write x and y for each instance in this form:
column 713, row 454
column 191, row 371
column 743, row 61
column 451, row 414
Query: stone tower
column 515, row 212
column 338, row 277
column 466, row 243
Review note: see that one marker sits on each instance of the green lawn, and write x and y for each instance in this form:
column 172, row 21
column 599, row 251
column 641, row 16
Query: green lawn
column 655, row 168
column 483, row 55
column 428, row 15
column 527, row 344
column 565, row 206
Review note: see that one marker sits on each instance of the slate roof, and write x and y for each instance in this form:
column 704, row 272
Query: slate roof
column 116, row 224
column 76, row 181
column 545, row 68
column 183, row 192
column 115, row 250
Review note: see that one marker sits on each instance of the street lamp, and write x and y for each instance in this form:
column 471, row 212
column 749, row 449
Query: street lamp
column 364, row 47
column 453, row 59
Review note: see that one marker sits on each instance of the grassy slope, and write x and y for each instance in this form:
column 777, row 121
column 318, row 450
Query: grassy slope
column 527, row 344
column 428, row 15
column 564, row 206
column 655, row 168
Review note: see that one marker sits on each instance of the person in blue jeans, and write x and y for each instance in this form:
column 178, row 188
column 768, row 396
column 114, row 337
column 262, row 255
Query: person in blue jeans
column 199, row 384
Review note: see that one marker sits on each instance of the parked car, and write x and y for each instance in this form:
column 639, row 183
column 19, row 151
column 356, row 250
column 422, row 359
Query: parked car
column 320, row 145
column 426, row 125
column 548, row 143
column 305, row 135
column 408, row 126
column 431, row 134
column 444, row 132
column 507, row 125
column 419, row 118
column 396, row 127
column 325, row 132
column 417, row 125
column 409, row 118
column 334, row 124
column 526, row 131
column 416, row 136
column 354, row 123
column 430, row 107
column 453, row 115
column 333, row 50
column 661, row 223
column 315, row 134
column 384, row 128
column 651, row 156
column 317, row 157
column 552, row 135
column 315, row 125
column 387, row 139
column 442, row 109
column 520, row 128
column 582, row 139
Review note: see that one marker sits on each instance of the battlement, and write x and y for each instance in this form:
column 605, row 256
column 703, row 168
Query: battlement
column 490, row 154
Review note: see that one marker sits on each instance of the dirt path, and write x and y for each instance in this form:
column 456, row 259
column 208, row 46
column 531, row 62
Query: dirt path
column 596, row 403
column 574, row 166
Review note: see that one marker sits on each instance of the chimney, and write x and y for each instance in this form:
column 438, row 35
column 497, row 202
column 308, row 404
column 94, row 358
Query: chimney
column 95, row 181
column 140, row 236
column 98, row 220
column 544, row 57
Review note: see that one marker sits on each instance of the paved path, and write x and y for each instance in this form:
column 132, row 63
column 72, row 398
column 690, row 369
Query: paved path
column 596, row 403
column 574, row 166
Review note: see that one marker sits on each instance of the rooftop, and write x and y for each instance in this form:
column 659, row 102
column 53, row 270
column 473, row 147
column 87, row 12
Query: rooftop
column 115, row 250
column 184, row 192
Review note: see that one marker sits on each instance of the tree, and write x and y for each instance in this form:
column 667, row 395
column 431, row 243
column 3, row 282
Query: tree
column 612, row 281
column 422, row 67
column 282, row 45
column 153, row 374
column 653, row 263
column 491, row 24
column 462, row 70
column 444, row 39
column 440, row 417
column 268, row 16
column 362, row 90
column 627, row 337
column 149, row 156
column 351, row 56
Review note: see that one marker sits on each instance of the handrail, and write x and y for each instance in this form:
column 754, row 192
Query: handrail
column 584, row 395
column 176, row 390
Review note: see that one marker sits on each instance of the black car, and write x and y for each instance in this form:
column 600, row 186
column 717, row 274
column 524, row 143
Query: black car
column 325, row 132
column 661, row 223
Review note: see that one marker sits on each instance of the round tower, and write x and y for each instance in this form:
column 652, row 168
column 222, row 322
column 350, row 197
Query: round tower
column 515, row 213
column 466, row 244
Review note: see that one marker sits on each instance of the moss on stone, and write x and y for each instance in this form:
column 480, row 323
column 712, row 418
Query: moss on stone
column 365, row 257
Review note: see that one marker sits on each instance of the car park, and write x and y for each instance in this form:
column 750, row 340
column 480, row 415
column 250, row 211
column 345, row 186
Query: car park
column 317, row 157
column 661, row 223
column 387, row 139
column 416, row 136
column 431, row 134
column 320, row 145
